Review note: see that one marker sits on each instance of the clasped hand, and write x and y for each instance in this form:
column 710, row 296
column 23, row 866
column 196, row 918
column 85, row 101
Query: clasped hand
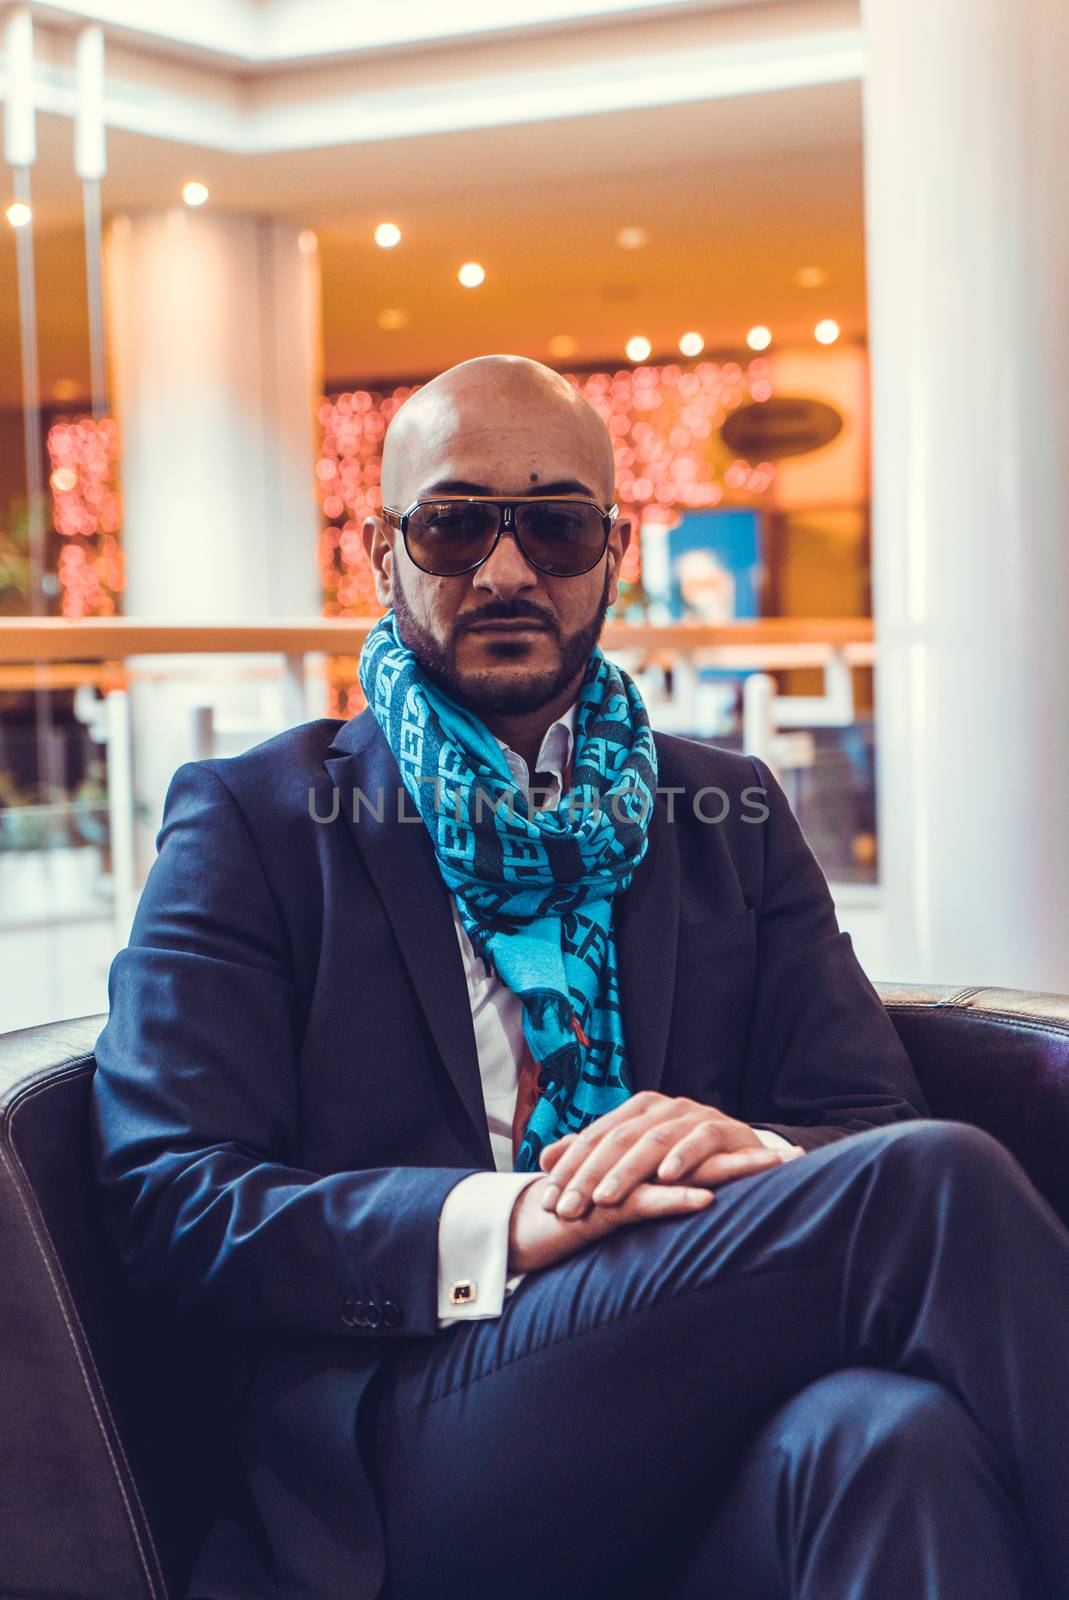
column 654, row 1156
column 650, row 1138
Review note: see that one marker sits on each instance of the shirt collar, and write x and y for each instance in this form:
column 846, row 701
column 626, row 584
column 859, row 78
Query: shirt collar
column 555, row 751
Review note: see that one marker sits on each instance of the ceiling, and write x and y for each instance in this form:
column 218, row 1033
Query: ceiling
column 735, row 194
column 250, row 34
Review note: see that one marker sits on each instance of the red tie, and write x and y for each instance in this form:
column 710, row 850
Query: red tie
column 527, row 1088
column 526, row 1097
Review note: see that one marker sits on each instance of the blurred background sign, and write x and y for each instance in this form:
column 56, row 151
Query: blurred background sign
column 715, row 566
column 781, row 427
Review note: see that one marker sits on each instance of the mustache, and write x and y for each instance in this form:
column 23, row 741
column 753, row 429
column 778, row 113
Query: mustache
column 510, row 613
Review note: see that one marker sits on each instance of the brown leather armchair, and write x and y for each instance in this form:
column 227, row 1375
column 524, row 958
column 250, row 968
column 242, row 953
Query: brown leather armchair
column 108, row 1462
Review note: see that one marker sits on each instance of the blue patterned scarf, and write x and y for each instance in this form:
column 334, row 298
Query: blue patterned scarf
column 534, row 888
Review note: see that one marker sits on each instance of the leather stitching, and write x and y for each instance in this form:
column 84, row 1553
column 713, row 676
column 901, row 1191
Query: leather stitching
column 1054, row 1025
column 960, row 996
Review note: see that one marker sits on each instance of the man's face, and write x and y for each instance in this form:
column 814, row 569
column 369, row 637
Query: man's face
column 504, row 444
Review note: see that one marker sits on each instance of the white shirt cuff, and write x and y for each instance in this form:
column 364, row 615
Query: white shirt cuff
column 776, row 1141
column 473, row 1245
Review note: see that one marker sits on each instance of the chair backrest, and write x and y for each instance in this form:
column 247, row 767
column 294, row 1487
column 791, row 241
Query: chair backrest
column 109, row 1469
column 998, row 1058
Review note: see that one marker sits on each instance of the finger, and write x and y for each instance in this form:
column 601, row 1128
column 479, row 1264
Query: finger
column 646, row 1105
column 571, row 1158
column 583, row 1148
column 552, row 1153
column 660, row 1200
column 632, row 1148
column 728, row 1165
column 563, row 1164
column 702, row 1140
column 639, row 1162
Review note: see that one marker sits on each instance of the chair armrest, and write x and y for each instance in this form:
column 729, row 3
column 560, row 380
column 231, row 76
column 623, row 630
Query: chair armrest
column 74, row 1469
column 998, row 1058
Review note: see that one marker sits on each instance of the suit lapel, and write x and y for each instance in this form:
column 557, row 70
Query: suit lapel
column 399, row 856
column 646, row 926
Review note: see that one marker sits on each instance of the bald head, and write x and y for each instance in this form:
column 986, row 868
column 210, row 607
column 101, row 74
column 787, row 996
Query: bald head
column 505, row 637
column 496, row 425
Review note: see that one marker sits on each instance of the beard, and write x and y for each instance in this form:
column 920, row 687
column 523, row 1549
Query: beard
column 490, row 689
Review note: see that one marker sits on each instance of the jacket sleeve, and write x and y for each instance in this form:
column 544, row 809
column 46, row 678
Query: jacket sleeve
column 823, row 1059
column 196, row 1113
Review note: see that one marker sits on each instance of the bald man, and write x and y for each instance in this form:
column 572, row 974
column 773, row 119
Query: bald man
column 487, row 1081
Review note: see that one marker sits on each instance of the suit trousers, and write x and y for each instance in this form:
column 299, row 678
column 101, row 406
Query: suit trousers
column 846, row 1377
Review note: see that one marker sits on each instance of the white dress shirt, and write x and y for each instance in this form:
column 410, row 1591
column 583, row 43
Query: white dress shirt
column 473, row 1225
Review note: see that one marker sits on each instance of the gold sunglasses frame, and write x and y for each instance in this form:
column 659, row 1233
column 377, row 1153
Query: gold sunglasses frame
column 506, row 520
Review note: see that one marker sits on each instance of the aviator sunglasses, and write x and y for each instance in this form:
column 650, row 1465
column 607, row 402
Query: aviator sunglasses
column 452, row 534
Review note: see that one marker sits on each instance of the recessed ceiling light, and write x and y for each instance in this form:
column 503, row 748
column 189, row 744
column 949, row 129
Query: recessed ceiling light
column 811, row 277
column 562, row 345
column 194, row 193
column 827, row 331
column 18, row 214
column 638, row 348
column 632, row 238
column 392, row 318
column 471, row 274
column 759, row 337
column 691, row 344
column 387, row 234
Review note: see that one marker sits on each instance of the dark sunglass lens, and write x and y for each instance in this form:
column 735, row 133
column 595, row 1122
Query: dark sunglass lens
column 562, row 536
column 447, row 537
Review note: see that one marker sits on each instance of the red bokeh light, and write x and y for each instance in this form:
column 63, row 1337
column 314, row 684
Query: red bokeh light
column 83, row 458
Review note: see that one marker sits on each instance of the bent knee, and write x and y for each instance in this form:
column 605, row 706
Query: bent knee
column 865, row 1414
column 943, row 1143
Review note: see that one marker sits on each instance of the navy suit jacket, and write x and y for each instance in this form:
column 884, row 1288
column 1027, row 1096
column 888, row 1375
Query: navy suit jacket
column 287, row 1086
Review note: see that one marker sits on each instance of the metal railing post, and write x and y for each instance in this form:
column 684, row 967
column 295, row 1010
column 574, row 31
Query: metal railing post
column 121, row 814
column 294, row 698
column 758, row 730
column 202, row 732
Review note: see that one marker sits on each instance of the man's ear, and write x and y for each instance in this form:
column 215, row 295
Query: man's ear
column 619, row 539
column 375, row 535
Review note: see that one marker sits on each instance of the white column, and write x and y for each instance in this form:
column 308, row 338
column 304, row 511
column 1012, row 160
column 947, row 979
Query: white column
column 966, row 134
column 213, row 324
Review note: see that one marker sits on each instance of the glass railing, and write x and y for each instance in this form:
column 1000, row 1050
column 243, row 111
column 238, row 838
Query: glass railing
column 81, row 703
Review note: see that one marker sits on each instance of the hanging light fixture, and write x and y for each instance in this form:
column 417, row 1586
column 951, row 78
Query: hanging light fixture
column 20, row 152
column 90, row 164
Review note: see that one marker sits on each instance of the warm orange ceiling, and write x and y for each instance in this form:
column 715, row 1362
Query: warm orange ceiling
column 735, row 195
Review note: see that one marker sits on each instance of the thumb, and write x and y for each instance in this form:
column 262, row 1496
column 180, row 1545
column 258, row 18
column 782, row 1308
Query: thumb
column 553, row 1152
column 648, row 1200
